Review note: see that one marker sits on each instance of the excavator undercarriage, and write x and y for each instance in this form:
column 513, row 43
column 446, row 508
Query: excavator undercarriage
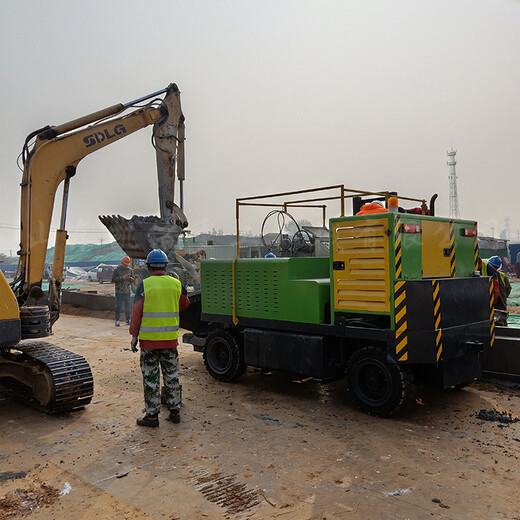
column 40, row 374
column 46, row 377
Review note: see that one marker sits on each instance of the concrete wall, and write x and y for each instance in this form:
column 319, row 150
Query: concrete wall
column 94, row 302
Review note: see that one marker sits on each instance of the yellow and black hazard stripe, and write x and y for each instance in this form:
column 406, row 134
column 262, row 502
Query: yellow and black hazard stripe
column 476, row 253
column 452, row 248
column 491, row 312
column 397, row 241
column 401, row 324
column 437, row 318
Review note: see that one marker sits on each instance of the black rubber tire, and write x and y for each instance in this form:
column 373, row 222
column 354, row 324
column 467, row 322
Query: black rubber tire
column 182, row 274
column 139, row 275
column 224, row 356
column 378, row 387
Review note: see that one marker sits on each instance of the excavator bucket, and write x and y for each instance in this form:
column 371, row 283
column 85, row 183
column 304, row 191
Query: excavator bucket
column 139, row 235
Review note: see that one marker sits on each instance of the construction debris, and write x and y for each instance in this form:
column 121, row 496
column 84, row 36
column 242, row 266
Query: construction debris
column 496, row 416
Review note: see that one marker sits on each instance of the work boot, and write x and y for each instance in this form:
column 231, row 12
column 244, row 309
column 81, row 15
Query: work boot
column 175, row 416
column 117, row 323
column 149, row 420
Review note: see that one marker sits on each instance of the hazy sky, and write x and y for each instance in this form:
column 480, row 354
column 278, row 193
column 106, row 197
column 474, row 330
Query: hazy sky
column 278, row 96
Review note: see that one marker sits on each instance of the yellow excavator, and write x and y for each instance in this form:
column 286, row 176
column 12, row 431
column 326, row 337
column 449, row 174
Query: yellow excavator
column 37, row 372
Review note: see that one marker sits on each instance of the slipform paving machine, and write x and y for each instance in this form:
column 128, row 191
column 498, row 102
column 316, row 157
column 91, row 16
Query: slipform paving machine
column 397, row 302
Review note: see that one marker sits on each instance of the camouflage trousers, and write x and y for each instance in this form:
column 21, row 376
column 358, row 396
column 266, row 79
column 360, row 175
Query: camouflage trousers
column 168, row 360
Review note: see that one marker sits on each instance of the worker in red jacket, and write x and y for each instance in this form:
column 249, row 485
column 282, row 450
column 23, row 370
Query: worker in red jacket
column 155, row 326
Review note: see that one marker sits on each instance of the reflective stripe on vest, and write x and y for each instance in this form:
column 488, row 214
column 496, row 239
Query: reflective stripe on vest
column 159, row 329
column 161, row 308
column 160, row 314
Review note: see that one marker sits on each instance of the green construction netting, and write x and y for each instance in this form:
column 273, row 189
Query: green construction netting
column 514, row 297
column 97, row 252
column 89, row 253
column 513, row 320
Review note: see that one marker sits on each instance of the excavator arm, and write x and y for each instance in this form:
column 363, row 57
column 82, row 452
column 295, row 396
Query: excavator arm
column 54, row 159
column 38, row 373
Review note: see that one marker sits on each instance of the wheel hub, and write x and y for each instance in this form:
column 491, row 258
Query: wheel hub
column 374, row 382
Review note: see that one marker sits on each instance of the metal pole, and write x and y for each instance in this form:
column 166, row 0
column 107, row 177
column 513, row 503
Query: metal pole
column 65, row 202
column 233, row 265
column 144, row 98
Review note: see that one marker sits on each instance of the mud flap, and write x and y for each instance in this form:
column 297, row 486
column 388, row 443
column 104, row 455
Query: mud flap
column 461, row 370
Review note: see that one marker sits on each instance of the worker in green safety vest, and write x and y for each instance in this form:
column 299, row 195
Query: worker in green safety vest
column 504, row 290
column 154, row 325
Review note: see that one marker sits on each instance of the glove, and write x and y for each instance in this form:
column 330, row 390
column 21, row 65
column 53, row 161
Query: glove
column 133, row 343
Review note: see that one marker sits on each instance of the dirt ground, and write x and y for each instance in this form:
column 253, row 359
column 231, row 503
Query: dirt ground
column 266, row 447
column 91, row 287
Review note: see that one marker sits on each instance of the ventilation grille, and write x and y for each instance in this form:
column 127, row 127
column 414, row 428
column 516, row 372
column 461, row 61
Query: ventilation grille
column 364, row 284
column 257, row 292
column 218, row 296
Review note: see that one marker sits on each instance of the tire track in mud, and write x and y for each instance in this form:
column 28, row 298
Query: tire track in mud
column 225, row 491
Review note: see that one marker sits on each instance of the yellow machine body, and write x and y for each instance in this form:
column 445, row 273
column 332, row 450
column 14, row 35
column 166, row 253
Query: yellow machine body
column 362, row 246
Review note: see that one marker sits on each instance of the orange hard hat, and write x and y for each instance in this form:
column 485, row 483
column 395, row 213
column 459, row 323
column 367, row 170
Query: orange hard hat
column 371, row 207
column 125, row 260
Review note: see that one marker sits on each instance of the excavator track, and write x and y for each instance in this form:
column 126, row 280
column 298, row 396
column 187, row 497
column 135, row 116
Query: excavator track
column 46, row 377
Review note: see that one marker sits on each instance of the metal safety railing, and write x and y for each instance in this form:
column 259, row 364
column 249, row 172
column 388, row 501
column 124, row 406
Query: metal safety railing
column 344, row 193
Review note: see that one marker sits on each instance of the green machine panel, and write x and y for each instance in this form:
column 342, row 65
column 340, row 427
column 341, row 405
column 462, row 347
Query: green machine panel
column 371, row 252
column 286, row 289
column 433, row 247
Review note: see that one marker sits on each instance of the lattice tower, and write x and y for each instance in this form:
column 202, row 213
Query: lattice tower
column 454, row 201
